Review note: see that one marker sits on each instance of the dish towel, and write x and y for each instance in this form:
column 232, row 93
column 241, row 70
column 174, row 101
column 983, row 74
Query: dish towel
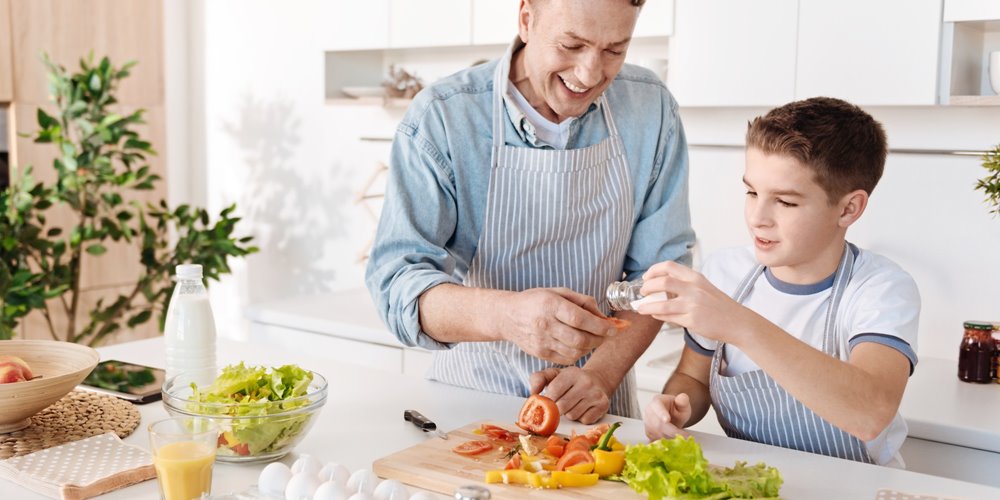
column 80, row 469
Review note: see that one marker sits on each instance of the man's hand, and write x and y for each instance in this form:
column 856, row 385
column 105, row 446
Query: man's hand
column 666, row 415
column 555, row 324
column 580, row 394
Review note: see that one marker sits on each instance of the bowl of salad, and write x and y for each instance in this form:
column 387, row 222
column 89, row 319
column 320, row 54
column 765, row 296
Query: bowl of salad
column 262, row 413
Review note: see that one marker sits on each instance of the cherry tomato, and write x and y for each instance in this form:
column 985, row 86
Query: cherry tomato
column 539, row 415
column 573, row 457
column 470, row 448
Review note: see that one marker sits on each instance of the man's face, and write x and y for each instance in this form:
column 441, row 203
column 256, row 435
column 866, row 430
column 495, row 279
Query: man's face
column 574, row 50
column 796, row 231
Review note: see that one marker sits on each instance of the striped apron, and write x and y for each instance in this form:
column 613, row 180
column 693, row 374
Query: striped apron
column 553, row 219
column 752, row 406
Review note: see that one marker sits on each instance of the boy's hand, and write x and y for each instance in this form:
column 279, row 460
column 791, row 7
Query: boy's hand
column 694, row 303
column 666, row 415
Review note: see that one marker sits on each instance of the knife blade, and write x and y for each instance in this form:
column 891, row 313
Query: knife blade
column 423, row 423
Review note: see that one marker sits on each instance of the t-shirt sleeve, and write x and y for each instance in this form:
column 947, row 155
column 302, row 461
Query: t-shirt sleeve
column 886, row 310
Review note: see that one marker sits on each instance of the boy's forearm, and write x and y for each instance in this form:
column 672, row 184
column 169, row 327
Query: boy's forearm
column 860, row 397
column 691, row 378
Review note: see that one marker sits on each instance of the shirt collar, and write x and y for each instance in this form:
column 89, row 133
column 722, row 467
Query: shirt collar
column 522, row 126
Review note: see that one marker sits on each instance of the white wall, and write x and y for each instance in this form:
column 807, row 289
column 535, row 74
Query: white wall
column 293, row 164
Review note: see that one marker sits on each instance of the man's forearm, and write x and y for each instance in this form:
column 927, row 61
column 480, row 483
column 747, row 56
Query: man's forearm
column 455, row 313
column 615, row 357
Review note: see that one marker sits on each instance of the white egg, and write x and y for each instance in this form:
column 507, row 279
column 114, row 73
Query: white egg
column 361, row 496
column 391, row 489
column 308, row 464
column 331, row 491
column 363, row 481
column 274, row 478
column 336, row 473
column 423, row 495
column 301, row 486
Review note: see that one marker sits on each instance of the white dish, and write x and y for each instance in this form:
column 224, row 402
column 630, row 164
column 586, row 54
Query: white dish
column 358, row 92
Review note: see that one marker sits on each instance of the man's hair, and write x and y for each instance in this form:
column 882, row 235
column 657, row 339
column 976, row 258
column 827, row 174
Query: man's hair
column 843, row 145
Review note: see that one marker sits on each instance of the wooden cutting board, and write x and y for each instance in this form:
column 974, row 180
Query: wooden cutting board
column 432, row 465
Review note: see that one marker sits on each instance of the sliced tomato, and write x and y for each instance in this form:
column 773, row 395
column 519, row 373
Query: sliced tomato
column 242, row 449
column 497, row 433
column 514, row 462
column 470, row 448
column 595, row 433
column 581, row 442
column 618, row 323
column 574, row 457
column 539, row 415
column 555, row 446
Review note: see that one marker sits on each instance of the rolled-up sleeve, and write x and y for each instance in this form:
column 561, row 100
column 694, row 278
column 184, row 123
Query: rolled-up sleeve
column 663, row 230
column 408, row 255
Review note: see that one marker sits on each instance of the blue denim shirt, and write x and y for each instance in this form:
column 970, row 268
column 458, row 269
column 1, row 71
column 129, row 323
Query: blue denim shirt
column 439, row 177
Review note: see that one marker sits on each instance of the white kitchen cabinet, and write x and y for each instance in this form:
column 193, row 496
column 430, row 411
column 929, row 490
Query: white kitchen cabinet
column 733, row 52
column 429, row 23
column 656, row 19
column 971, row 10
column 355, row 25
column 869, row 53
column 494, row 22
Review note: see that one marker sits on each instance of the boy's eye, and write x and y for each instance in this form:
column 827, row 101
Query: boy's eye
column 752, row 194
column 785, row 203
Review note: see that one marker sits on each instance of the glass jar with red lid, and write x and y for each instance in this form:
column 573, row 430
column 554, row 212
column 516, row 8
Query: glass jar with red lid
column 975, row 355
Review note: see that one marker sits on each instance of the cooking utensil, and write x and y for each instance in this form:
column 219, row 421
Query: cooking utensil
column 423, row 423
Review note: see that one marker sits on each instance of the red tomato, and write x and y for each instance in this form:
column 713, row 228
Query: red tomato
column 242, row 449
column 539, row 415
column 497, row 433
column 581, row 442
column 573, row 457
column 514, row 463
column 595, row 433
column 470, row 448
column 555, row 446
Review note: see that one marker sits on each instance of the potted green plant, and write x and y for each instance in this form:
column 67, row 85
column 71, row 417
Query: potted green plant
column 101, row 162
column 990, row 185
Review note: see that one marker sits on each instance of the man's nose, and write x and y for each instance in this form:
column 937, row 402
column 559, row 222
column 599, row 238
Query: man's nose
column 588, row 70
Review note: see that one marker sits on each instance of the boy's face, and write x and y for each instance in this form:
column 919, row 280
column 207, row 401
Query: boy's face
column 796, row 232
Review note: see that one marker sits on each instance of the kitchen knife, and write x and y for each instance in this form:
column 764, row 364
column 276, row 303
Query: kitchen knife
column 423, row 423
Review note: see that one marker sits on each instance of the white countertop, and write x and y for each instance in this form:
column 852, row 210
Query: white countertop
column 362, row 421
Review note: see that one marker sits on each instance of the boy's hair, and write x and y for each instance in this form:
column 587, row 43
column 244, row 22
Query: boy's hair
column 843, row 145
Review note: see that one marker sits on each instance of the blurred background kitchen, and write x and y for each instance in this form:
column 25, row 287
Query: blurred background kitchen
column 280, row 108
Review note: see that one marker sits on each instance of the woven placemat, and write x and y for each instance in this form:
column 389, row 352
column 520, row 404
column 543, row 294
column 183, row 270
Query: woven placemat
column 78, row 415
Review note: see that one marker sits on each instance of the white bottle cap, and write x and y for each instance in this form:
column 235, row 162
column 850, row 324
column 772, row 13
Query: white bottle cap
column 189, row 271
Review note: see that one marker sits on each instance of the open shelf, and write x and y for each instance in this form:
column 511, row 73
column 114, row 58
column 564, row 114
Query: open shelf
column 965, row 59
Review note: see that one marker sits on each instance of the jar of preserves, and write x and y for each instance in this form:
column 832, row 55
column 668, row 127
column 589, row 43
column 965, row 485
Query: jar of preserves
column 996, row 351
column 976, row 353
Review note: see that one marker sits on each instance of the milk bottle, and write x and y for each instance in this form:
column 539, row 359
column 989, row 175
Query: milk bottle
column 190, row 328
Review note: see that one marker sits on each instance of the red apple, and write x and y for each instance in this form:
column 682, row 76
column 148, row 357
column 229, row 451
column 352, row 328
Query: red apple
column 13, row 369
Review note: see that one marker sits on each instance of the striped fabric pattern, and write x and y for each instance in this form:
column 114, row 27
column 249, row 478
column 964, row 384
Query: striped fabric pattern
column 752, row 406
column 554, row 218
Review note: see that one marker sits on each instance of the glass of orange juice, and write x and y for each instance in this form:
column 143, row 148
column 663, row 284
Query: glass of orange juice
column 183, row 453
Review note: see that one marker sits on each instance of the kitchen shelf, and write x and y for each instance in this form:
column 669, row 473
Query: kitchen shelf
column 974, row 100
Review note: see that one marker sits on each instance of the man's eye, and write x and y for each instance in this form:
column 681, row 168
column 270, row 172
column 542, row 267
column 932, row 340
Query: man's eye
column 572, row 47
column 615, row 52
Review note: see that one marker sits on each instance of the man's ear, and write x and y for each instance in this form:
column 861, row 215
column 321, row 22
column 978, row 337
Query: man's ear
column 852, row 205
column 525, row 16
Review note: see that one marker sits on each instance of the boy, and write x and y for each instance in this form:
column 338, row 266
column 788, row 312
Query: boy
column 803, row 340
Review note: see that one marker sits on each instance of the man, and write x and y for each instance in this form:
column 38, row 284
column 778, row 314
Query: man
column 519, row 189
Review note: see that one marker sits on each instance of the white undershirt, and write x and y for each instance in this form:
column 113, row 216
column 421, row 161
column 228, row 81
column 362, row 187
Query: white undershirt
column 553, row 134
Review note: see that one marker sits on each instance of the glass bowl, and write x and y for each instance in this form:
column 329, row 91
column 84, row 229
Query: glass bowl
column 251, row 432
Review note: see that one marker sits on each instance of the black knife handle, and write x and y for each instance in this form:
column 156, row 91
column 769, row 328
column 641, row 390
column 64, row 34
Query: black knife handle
column 419, row 420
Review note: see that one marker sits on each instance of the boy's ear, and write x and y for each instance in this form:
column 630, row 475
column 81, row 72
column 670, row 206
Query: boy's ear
column 852, row 205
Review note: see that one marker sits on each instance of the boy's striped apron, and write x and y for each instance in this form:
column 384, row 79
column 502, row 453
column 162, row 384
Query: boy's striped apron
column 754, row 407
column 553, row 218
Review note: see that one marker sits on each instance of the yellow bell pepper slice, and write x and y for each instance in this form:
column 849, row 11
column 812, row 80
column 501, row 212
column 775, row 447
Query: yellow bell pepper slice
column 574, row 480
column 608, row 463
column 581, row 468
column 520, row 476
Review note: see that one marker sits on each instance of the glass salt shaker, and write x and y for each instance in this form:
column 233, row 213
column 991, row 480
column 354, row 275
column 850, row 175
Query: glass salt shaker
column 621, row 294
column 472, row 492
